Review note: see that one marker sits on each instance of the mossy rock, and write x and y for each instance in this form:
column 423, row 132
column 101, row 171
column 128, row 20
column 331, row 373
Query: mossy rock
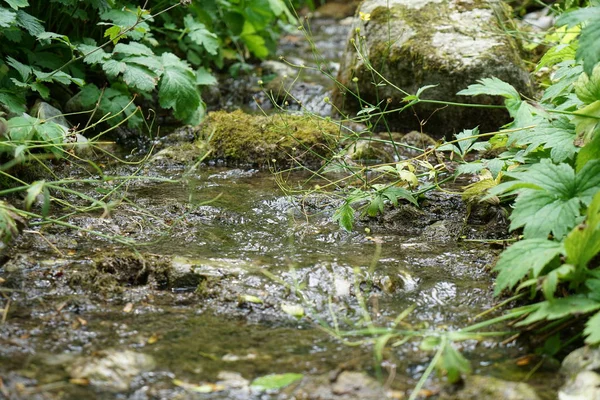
column 238, row 138
column 447, row 43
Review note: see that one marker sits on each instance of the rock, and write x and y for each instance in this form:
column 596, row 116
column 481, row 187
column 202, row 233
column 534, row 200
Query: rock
column 336, row 9
column 111, row 369
column 448, row 43
column 582, row 380
column 45, row 111
column 478, row 387
column 371, row 152
column 240, row 138
column 348, row 385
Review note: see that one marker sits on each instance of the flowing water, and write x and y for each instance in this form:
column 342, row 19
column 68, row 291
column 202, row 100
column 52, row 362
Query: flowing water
column 233, row 280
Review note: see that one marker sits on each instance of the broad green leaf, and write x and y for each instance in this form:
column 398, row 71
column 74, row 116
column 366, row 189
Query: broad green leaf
column 586, row 120
column 87, row 97
column 453, row 363
column 7, row 17
column 200, row 35
column 588, row 88
column 114, row 34
column 551, row 280
column 523, row 258
column 375, row 206
column 13, row 102
column 203, row 77
column 549, row 196
column 278, row 7
column 139, row 78
column 53, row 133
column 592, row 330
column 23, row 70
column 93, row 54
column 560, row 308
column 557, row 54
column 495, row 87
column 114, row 67
column 16, row 4
column 589, row 152
column 30, row 23
column 22, row 129
column 178, row 91
column 430, row 343
column 583, row 243
column 41, row 89
column 589, row 40
column 256, row 45
column 152, row 63
column 275, row 381
column 133, row 49
column 588, row 181
column 393, row 193
column 344, row 216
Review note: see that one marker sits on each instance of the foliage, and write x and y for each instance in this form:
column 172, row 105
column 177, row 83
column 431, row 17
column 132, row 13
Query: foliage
column 550, row 165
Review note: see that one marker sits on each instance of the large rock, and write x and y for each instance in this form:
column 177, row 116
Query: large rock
column 580, row 369
column 414, row 43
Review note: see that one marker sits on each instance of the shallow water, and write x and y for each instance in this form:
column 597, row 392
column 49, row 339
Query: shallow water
column 250, row 240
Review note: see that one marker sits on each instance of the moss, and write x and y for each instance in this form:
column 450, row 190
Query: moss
column 240, row 138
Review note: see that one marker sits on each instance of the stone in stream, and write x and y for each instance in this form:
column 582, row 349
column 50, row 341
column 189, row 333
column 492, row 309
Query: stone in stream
column 414, row 43
column 582, row 379
column 477, row 387
column 111, row 370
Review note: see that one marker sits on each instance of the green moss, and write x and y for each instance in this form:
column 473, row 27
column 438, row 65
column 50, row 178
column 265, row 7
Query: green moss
column 240, row 138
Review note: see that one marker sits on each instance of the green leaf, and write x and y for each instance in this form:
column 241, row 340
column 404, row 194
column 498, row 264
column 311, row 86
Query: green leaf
column 21, row 129
column 203, row 77
column 523, row 258
column 453, row 363
column 344, row 215
column 275, row 381
column 278, row 7
column 114, row 34
column 589, row 152
column 93, row 54
column 592, row 330
column 7, row 17
column 23, row 70
column 549, row 196
column 295, row 310
column 393, row 193
column 114, row 67
column 495, row 87
column 583, row 243
column 30, row 23
column 589, row 40
column 132, row 49
column 200, row 35
column 177, row 89
column 152, row 63
column 139, row 78
column 560, row 308
column 588, row 88
column 16, row 4
column 13, row 102
column 375, row 206
column 33, row 191
column 586, row 120
column 54, row 133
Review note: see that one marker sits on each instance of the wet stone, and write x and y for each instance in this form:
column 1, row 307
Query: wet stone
column 478, row 387
column 582, row 379
column 111, row 369
column 348, row 385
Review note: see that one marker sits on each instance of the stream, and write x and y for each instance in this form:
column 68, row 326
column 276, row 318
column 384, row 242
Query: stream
column 234, row 280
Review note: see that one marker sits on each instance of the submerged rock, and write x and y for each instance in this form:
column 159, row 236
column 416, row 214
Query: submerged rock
column 583, row 381
column 348, row 385
column 478, row 387
column 111, row 369
column 447, row 43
